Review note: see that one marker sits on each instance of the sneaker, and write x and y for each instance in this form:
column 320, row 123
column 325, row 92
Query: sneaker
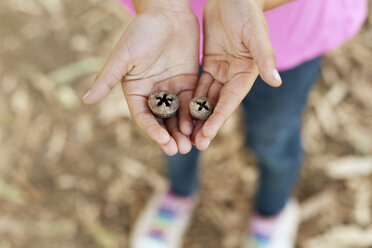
column 278, row 231
column 164, row 221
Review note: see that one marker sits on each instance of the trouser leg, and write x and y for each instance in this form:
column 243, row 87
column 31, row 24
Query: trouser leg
column 183, row 172
column 273, row 124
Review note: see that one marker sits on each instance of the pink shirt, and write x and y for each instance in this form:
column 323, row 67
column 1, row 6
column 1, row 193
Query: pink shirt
column 304, row 29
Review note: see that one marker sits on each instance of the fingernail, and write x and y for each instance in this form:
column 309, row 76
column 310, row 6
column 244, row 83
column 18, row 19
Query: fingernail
column 208, row 141
column 277, row 75
column 86, row 95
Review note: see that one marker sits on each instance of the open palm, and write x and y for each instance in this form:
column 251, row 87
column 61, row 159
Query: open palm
column 236, row 50
column 157, row 51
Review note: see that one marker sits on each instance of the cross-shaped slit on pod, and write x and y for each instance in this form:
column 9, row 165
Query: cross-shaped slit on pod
column 164, row 100
column 202, row 105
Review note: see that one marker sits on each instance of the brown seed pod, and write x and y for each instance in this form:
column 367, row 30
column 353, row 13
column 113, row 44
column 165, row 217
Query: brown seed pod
column 163, row 104
column 201, row 107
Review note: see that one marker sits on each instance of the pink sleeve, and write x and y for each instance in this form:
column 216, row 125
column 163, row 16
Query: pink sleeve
column 312, row 27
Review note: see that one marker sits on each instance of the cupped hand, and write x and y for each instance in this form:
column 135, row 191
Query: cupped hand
column 159, row 50
column 236, row 49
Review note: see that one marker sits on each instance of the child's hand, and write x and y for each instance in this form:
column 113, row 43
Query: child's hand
column 159, row 50
column 236, row 49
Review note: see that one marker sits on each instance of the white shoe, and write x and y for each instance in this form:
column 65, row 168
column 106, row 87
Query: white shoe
column 164, row 221
column 275, row 232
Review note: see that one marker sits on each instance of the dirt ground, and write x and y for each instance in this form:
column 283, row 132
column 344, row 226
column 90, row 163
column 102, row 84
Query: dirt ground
column 77, row 176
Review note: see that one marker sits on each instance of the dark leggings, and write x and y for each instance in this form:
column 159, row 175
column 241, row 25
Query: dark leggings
column 273, row 124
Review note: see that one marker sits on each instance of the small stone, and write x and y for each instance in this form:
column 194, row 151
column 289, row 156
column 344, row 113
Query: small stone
column 201, row 107
column 163, row 104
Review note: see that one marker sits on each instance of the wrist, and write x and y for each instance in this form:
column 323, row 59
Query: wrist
column 172, row 5
column 262, row 4
column 271, row 4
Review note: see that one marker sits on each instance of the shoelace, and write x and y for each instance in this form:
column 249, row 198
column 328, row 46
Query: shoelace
column 170, row 208
column 163, row 219
column 259, row 240
column 262, row 228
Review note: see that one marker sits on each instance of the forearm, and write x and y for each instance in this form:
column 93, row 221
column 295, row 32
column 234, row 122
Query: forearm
column 176, row 5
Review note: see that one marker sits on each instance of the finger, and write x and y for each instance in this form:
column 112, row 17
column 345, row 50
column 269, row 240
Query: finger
column 198, row 125
column 204, row 84
column 184, row 118
column 146, row 121
column 183, row 143
column 214, row 92
column 114, row 70
column 198, row 139
column 231, row 96
column 256, row 38
column 170, row 148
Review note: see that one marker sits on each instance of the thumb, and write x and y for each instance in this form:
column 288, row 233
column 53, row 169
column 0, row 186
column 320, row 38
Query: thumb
column 255, row 35
column 114, row 70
